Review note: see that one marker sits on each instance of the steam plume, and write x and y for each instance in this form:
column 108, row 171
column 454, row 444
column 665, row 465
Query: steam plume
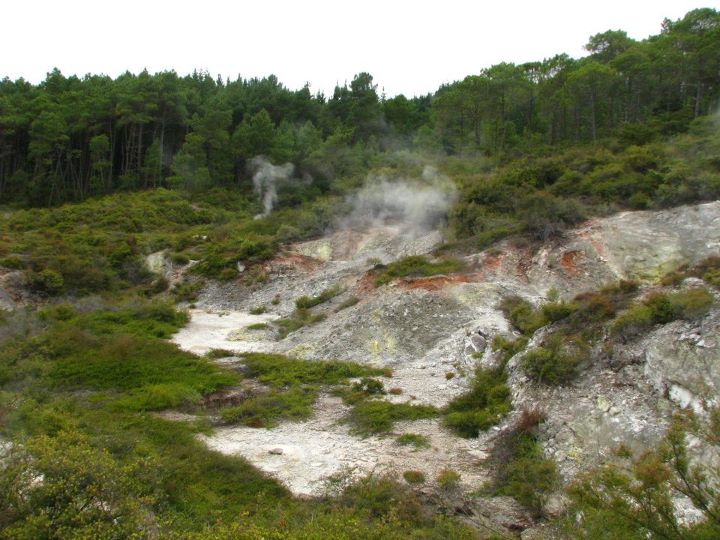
column 266, row 178
column 417, row 206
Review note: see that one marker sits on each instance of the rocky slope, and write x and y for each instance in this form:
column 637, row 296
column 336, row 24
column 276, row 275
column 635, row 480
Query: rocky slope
column 427, row 328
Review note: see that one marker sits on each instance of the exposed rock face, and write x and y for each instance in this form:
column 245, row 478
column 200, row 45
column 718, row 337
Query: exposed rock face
column 426, row 329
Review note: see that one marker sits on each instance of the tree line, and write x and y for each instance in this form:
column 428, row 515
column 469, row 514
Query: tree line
column 69, row 138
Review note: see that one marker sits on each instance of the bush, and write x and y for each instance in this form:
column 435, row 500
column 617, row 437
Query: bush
column 300, row 317
column 522, row 471
column 414, row 477
column 413, row 439
column 522, row 315
column 378, row 416
column 448, row 479
column 369, row 386
column 418, row 266
column 557, row 361
column 662, row 308
column 545, row 215
column 481, row 407
column 46, row 281
column 307, row 302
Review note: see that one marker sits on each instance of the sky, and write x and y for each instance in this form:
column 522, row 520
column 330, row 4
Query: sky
column 410, row 47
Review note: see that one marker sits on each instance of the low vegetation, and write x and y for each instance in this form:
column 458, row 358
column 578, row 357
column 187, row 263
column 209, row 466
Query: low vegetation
column 521, row 469
column 557, row 360
column 414, row 477
column 307, row 302
column 482, row 406
column 299, row 318
column 370, row 416
column 350, row 302
column 633, row 496
column 293, row 386
column 662, row 308
column 416, row 266
column 415, row 440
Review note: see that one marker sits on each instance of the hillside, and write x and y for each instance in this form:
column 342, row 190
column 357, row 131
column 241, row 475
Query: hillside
column 232, row 310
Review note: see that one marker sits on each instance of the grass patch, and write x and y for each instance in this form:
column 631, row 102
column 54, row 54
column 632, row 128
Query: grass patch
column 377, row 416
column 301, row 317
column 294, row 386
column 258, row 310
column 307, row 302
column 155, row 374
column 483, row 406
column 350, row 302
column 258, row 326
column 448, row 479
column 417, row 266
column 414, row 477
column 281, row 371
column 415, row 440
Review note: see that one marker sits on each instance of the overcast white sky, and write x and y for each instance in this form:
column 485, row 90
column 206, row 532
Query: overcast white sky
column 408, row 46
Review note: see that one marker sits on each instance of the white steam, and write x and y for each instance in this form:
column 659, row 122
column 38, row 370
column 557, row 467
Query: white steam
column 416, row 206
column 266, row 178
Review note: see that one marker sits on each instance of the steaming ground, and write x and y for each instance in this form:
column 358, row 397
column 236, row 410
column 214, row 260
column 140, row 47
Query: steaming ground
column 430, row 332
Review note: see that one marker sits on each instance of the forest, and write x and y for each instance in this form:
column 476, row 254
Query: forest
column 96, row 174
column 71, row 138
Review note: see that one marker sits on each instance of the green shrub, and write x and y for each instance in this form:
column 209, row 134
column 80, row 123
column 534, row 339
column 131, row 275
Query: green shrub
column 181, row 259
column 369, row 387
column 187, row 291
column 521, row 469
column 448, row 479
column 416, row 265
column 557, row 361
column 46, row 281
column 154, row 373
column 300, row 317
column 258, row 310
column 413, row 439
column 350, row 302
column 662, row 308
column 481, row 407
column 265, row 410
column 414, row 477
column 307, row 302
column 12, row 262
column 378, row 416
column 545, row 215
column 522, row 315
column 508, row 348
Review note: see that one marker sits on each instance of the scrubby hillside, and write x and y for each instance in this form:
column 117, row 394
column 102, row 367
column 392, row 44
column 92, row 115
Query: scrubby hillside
column 231, row 310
